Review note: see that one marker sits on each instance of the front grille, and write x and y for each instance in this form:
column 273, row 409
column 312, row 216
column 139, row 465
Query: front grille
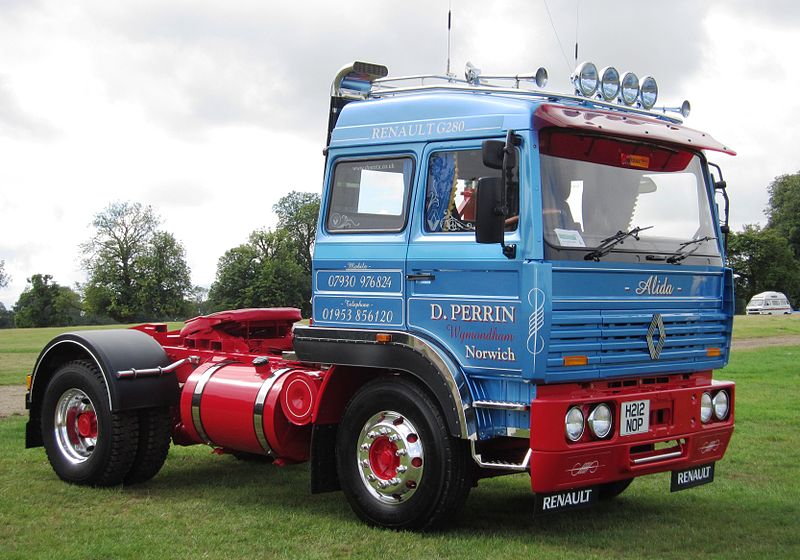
column 615, row 341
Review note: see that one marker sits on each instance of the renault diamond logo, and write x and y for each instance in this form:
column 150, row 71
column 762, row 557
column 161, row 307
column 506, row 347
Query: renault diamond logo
column 655, row 347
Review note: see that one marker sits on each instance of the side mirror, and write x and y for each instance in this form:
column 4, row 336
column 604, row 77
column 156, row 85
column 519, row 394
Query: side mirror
column 492, row 151
column 490, row 213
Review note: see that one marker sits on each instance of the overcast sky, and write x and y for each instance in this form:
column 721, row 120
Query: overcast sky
column 211, row 111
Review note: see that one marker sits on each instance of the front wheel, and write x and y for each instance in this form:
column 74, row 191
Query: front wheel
column 397, row 463
column 84, row 441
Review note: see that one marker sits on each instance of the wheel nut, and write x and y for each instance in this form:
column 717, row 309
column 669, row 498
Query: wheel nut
column 365, row 463
column 372, row 435
column 400, row 452
column 402, row 469
column 365, row 446
column 394, row 437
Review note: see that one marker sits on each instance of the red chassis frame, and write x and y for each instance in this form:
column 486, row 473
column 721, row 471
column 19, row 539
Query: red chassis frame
column 676, row 440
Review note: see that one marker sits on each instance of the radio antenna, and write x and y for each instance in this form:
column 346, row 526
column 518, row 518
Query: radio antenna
column 449, row 20
column 577, row 16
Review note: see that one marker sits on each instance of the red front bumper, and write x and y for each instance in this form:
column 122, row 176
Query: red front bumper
column 676, row 438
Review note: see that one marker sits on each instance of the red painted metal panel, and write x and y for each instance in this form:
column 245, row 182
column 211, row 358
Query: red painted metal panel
column 638, row 127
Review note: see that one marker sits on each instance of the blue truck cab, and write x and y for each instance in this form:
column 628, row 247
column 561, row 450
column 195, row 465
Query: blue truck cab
column 548, row 270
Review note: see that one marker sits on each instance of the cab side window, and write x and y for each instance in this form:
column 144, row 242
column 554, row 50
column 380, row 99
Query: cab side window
column 370, row 195
column 450, row 193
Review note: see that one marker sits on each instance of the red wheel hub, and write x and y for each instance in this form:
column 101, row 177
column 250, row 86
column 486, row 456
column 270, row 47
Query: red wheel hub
column 383, row 458
column 87, row 425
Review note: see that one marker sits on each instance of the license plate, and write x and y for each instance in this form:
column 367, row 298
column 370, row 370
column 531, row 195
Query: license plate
column 689, row 478
column 635, row 418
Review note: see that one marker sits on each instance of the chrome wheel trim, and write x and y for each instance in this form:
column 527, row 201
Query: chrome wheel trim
column 391, row 428
column 70, row 406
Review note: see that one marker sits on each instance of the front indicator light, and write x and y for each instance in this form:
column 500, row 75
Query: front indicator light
column 720, row 402
column 600, row 420
column 706, row 408
column 573, row 424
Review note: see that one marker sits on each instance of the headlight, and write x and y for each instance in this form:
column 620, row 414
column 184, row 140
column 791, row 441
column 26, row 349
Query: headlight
column 648, row 92
column 609, row 83
column 630, row 88
column 573, row 423
column 585, row 79
column 721, row 405
column 600, row 420
column 706, row 407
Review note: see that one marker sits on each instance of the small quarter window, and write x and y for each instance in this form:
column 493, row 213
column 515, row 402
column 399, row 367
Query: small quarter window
column 450, row 192
column 370, row 195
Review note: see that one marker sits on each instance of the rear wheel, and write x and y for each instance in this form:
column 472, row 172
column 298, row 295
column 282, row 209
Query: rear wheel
column 155, row 432
column 397, row 463
column 84, row 441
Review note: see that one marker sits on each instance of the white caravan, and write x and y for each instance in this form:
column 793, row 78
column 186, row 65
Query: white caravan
column 769, row 303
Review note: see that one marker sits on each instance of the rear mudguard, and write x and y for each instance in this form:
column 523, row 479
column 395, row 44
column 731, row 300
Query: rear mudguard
column 111, row 351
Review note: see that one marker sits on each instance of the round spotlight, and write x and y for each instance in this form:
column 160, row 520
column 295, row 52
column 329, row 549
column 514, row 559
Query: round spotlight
column 686, row 108
column 573, row 423
column 609, row 83
column 706, row 408
column 541, row 77
column 648, row 92
column 630, row 88
column 585, row 79
column 600, row 420
column 720, row 402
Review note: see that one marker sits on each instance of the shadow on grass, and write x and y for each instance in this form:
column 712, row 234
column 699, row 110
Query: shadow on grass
column 498, row 507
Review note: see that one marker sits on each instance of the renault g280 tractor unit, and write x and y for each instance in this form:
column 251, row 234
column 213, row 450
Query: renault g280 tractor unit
column 505, row 280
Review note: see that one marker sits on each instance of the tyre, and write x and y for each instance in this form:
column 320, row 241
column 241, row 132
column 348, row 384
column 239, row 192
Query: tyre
column 611, row 490
column 155, row 432
column 85, row 443
column 397, row 463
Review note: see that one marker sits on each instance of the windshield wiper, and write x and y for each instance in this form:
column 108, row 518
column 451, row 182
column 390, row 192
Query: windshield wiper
column 680, row 254
column 610, row 242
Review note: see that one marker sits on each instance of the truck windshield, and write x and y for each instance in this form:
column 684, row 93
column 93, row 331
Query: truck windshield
column 594, row 187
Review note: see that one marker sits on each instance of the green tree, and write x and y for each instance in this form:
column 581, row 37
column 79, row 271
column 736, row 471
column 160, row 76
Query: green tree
column 783, row 211
column 3, row 276
column 297, row 214
column 136, row 272
column 763, row 260
column 274, row 267
column 6, row 317
column 163, row 288
column 46, row 304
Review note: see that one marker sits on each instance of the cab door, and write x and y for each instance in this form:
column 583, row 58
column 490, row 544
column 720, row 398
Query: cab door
column 463, row 295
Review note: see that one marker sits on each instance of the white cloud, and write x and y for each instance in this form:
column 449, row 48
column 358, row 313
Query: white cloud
column 211, row 111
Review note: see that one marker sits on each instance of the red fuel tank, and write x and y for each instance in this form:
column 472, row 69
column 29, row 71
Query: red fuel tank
column 253, row 408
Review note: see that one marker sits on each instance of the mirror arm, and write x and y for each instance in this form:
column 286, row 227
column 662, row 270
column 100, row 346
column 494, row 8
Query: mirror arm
column 722, row 187
column 509, row 163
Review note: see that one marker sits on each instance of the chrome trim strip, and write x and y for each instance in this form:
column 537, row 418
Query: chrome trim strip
column 197, row 396
column 500, row 405
column 431, row 353
column 661, row 457
column 258, row 409
column 96, row 361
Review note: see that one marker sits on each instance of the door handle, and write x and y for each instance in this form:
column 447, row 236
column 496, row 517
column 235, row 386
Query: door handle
column 420, row 277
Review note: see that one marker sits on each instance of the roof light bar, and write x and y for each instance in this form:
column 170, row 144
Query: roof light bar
column 585, row 79
column 609, row 83
column 630, row 88
column 648, row 92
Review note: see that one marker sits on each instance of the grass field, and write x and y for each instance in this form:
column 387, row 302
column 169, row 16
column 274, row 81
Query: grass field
column 206, row 506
